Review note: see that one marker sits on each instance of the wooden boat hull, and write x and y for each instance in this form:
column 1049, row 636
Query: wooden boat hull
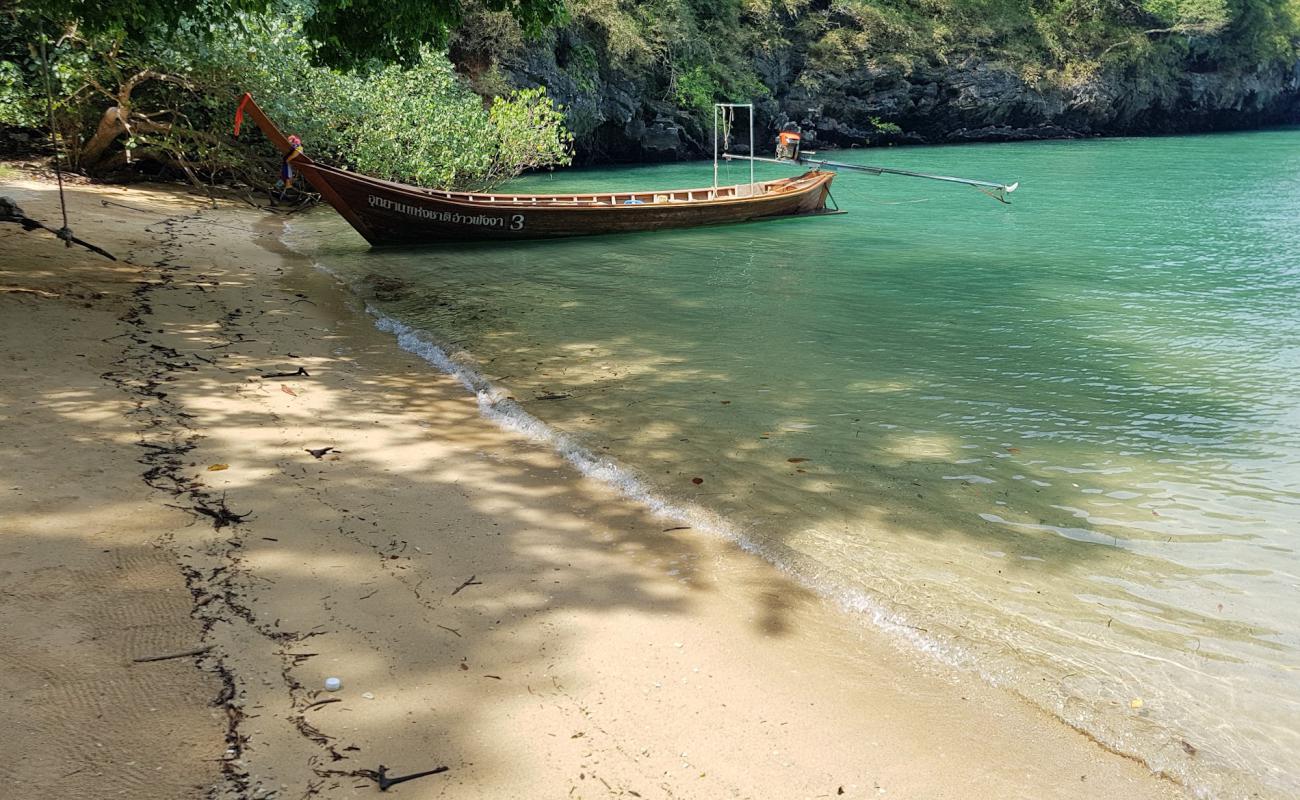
column 389, row 213
column 386, row 213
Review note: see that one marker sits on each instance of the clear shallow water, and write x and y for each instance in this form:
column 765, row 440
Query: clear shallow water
column 1056, row 442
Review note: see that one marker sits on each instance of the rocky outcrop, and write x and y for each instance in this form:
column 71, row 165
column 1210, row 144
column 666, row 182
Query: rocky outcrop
column 614, row 115
column 617, row 116
column 979, row 101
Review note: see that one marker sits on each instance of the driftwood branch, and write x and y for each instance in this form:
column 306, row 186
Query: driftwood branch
column 220, row 514
column 324, row 702
column 385, row 782
column 468, row 582
column 193, row 651
column 300, row 372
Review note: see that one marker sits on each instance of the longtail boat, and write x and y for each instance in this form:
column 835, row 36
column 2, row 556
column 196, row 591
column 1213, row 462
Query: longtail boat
column 390, row 213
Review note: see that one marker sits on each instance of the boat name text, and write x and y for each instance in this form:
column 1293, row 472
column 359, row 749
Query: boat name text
column 456, row 218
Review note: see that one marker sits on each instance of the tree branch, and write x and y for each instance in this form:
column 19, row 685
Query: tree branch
column 1204, row 27
column 143, row 75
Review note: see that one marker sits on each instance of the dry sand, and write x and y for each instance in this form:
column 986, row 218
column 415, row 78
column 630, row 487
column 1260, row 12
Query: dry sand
column 591, row 655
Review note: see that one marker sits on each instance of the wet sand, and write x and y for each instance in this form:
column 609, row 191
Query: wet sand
column 486, row 607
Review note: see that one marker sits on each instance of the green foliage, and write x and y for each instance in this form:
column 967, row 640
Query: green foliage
column 529, row 133
column 395, row 107
column 424, row 126
column 1262, row 30
column 693, row 52
column 690, row 52
column 696, row 90
column 17, row 103
column 1209, row 16
column 351, row 32
column 134, row 18
column 420, row 123
column 348, row 33
column 584, row 66
column 884, row 127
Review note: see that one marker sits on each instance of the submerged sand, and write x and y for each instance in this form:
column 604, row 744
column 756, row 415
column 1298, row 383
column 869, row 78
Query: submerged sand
column 486, row 607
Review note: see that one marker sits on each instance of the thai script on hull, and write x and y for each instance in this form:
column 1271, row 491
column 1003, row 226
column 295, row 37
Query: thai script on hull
column 454, row 217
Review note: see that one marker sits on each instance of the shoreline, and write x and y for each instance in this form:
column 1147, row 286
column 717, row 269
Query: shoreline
column 586, row 652
column 498, row 406
column 857, row 605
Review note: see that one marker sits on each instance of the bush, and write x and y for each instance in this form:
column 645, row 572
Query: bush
column 170, row 100
column 421, row 125
column 16, row 101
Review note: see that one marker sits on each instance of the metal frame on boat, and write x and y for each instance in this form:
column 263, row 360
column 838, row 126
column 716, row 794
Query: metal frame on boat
column 389, row 213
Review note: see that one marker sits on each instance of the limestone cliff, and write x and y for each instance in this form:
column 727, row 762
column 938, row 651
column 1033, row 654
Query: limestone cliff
column 623, row 108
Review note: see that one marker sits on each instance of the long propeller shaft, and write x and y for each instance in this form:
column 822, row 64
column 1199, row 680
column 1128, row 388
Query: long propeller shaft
column 1000, row 188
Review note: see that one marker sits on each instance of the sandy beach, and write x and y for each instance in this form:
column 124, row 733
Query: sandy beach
column 486, row 607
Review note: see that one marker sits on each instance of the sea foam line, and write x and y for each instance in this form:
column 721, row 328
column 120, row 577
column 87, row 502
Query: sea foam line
column 497, row 406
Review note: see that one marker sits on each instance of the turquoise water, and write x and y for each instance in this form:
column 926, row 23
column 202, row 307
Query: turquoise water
column 1056, row 443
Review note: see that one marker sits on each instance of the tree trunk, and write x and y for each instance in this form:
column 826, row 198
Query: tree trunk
column 111, row 126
